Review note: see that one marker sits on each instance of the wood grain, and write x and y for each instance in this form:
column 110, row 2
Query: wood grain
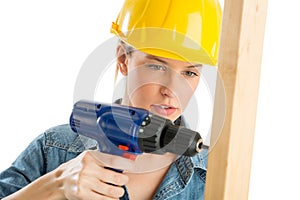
column 229, row 161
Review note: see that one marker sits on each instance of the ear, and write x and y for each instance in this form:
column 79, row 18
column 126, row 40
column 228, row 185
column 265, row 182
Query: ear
column 122, row 60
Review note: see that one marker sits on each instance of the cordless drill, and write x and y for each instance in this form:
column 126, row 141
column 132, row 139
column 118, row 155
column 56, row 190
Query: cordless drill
column 129, row 131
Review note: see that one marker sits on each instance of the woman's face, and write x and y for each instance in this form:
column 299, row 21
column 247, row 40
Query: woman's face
column 160, row 85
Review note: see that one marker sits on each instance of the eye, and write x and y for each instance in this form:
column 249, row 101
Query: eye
column 190, row 73
column 157, row 67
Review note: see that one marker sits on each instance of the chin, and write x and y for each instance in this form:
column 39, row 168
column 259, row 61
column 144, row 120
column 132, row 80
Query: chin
column 172, row 118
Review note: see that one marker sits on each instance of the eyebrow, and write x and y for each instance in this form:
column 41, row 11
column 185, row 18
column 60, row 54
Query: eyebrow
column 166, row 63
column 196, row 65
column 156, row 58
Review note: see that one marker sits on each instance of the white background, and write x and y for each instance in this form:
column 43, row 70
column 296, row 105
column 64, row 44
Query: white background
column 43, row 44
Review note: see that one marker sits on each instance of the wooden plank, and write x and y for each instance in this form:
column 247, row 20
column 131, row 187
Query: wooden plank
column 229, row 160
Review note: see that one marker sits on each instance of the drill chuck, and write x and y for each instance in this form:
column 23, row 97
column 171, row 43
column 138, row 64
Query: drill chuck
column 160, row 135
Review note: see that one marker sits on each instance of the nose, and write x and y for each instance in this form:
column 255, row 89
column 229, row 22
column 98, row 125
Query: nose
column 165, row 91
column 168, row 85
column 174, row 85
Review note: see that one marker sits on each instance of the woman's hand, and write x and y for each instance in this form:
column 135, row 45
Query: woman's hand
column 85, row 176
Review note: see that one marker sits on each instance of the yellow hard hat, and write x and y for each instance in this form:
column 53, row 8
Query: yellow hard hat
column 187, row 30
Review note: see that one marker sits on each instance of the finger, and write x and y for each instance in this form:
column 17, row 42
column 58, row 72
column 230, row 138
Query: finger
column 112, row 177
column 93, row 188
column 108, row 190
column 116, row 162
column 97, row 196
column 93, row 169
column 91, row 195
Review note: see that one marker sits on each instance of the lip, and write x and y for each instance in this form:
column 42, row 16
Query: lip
column 163, row 109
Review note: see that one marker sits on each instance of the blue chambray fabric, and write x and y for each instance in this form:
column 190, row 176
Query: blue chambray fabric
column 184, row 180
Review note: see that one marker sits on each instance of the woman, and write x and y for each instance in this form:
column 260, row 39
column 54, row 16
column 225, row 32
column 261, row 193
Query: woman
column 160, row 54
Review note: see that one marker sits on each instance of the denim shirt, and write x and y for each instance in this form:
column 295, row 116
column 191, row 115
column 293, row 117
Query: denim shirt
column 184, row 180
